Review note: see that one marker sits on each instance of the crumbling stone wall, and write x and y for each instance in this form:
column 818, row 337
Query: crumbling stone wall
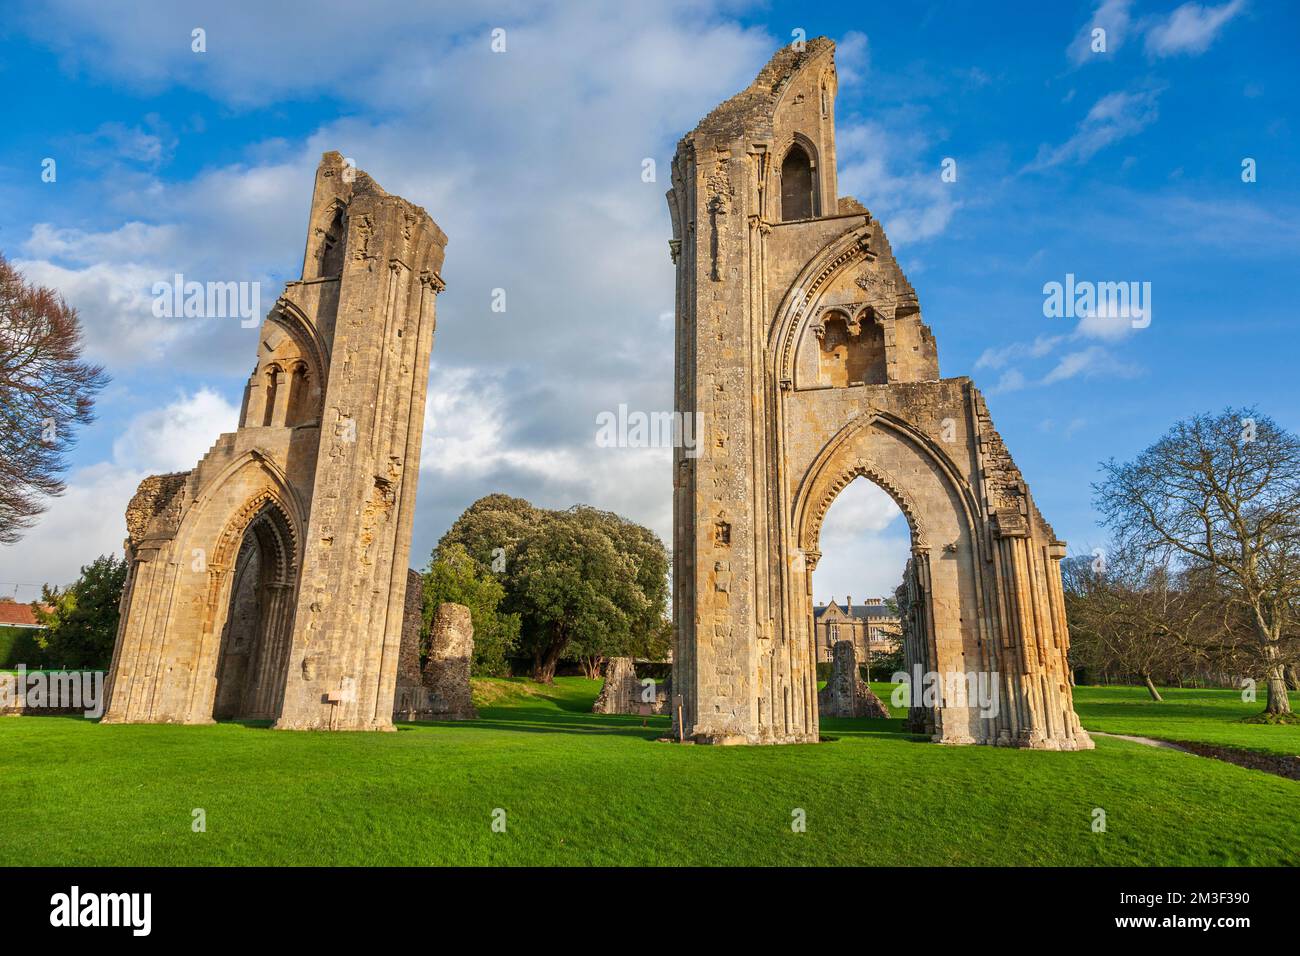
column 319, row 478
column 407, row 698
column 446, row 672
column 846, row 694
column 623, row 692
column 801, row 346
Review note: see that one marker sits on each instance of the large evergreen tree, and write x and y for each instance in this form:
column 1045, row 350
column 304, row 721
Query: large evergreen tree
column 82, row 620
column 586, row 584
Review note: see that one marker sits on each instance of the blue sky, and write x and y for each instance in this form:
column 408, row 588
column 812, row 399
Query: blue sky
column 1117, row 166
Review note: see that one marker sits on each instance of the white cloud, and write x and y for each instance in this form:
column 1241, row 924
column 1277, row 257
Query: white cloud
column 911, row 200
column 1080, row 359
column 865, row 543
column 240, row 224
column 113, row 301
column 89, row 518
column 1190, row 29
column 996, row 358
column 1114, row 117
column 852, row 57
column 176, row 436
column 1088, row 363
column 1111, row 16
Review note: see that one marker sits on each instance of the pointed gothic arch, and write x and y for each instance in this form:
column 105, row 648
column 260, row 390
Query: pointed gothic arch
column 801, row 342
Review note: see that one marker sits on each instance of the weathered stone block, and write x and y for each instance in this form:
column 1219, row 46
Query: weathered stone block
column 846, row 694
column 447, row 670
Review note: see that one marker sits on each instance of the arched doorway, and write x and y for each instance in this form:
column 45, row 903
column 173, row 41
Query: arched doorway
column 865, row 546
column 253, row 656
column 943, row 573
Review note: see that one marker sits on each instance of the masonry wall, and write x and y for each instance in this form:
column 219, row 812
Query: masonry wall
column 802, row 345
column 323, row 466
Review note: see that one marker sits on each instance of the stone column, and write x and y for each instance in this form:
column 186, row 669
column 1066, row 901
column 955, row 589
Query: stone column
column 446, row 672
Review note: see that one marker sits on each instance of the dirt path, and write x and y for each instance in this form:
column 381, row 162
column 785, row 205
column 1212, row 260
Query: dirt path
column 1279, row 764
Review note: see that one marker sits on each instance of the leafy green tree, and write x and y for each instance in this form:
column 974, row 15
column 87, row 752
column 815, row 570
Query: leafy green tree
column 454, row 576
column 586, row 584
column 645, row 567
column 490, row 529
column 82, row 620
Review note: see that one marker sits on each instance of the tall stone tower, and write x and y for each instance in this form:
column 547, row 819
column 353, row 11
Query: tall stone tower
column 269, row 581
column 801, row 344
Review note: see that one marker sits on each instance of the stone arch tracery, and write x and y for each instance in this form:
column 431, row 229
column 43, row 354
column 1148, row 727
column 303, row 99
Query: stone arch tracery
column 286, row 388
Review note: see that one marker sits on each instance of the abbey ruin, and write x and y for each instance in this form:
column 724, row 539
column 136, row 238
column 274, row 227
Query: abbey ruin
column 270, row 580
column 801, row 343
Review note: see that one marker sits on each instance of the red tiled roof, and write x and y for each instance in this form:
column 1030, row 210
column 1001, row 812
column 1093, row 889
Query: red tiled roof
column 21, row 614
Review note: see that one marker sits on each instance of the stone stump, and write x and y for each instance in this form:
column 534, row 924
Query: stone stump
column 618, row 695
column 446, row 672
column 622, row 692
column 846, row 694
column 410, row 691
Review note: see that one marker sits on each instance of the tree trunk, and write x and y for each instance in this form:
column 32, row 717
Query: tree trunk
column 1293, row 677
column 1278, row 702
column 1155, row 694
column 545, row 660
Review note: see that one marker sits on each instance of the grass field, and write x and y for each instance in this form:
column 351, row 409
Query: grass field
column 1204, row 716
column 583, row 789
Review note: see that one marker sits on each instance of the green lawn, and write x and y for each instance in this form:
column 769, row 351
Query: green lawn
column 585, row 789
column 1203, row 716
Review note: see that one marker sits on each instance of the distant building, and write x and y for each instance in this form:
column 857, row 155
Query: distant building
column 13, row 614
column 873, row 627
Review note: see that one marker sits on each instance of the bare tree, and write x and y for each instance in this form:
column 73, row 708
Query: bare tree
column 1221, row 492
column 45, row 390
column 1129, row 617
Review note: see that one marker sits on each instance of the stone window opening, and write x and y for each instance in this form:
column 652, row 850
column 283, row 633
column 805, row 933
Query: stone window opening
column 300, row 406
column 331, row 250
column 272, row 387
column 798, row 185
column 852, row 350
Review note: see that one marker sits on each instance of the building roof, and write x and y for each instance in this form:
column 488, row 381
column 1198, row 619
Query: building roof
column 17, row 615
column 858, row 610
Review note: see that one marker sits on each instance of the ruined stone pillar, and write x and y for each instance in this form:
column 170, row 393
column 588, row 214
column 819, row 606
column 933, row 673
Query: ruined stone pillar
column 446, row 672
column 323, row 476
column 618, row 695
column 348, row 621
column 800, row 343
column 846, row 694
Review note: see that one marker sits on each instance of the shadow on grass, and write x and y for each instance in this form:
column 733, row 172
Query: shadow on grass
column 573, row 720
